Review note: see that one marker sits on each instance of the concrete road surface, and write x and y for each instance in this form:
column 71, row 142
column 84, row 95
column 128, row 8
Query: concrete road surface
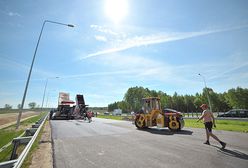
column 118, row 144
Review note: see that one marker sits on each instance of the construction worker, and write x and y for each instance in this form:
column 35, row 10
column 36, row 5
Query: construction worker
column 209, row 122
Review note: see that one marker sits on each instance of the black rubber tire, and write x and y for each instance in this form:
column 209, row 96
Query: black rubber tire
column 175, row 130
column 139, row 127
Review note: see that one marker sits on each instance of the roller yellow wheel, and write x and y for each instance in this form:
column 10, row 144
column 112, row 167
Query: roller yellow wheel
column 140, row 122
column 174, row 125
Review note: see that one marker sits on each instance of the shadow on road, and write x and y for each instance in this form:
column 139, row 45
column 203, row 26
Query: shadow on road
column 233, row 153
column 166, row 131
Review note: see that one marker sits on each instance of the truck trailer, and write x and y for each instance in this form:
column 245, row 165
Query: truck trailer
column 68, row 109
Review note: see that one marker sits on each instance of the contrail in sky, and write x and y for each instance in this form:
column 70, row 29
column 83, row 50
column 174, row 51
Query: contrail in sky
column 157, row 39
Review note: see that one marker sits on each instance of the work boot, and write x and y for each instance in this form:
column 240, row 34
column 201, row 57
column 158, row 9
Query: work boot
column 207, row 143
column 223, row 144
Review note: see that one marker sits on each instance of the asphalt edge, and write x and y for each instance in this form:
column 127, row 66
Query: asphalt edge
column 52, row 143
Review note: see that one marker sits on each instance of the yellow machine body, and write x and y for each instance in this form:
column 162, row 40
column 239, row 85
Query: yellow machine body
column 152, row 115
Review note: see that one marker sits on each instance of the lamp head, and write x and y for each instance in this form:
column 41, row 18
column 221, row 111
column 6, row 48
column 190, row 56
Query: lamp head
column 70, row 25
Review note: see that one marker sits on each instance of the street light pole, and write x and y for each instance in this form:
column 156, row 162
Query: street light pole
column 30, row 71
column 209, row 102
column 48, row 94
column 44, row 94
column 45, row 90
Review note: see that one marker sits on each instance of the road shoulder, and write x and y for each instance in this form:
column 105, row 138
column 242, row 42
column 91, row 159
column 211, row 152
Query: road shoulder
column 42, row 157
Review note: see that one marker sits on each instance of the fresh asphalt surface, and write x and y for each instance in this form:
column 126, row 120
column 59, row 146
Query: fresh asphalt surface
column 107, row 143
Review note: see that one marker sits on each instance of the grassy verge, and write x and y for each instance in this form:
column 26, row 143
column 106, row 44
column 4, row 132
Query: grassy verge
column 8, row 133
column 110, row 117
column 227, row 125
column 5, row 155
column 6, row 136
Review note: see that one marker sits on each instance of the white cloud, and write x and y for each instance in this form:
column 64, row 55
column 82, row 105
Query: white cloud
column 137, row 67
column 101, row 38
column 106, row 73
column 10, row 13
column 103, row 29
column 150, row 71
column 138, row 41
column 227, row 71
column 96, row 96
column 14, row 14
column 7, row 64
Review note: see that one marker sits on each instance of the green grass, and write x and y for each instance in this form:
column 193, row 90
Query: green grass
column 227, row 125
column 32, row 120
column 6, row 136
column 110, row 117
column 98, row 110
column 8, row 133
column 5, row 155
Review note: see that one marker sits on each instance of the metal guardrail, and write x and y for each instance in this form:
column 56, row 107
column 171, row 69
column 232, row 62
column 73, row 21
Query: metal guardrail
column 31, row 135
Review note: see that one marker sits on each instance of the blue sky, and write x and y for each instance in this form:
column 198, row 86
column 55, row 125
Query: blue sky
column 158, row 44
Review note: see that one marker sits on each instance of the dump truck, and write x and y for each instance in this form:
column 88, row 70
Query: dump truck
column 68, row 109
column 152, row 115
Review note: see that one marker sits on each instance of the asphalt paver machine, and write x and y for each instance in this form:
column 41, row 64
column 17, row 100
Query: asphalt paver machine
column 67, row 109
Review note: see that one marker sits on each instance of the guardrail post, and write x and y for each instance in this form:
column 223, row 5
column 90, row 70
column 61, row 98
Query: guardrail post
column 16, row 142
column 30, row 131
column 35, row 125
column 13, row 154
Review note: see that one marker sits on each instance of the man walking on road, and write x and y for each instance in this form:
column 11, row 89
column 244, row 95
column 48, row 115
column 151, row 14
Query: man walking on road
column 209, row 122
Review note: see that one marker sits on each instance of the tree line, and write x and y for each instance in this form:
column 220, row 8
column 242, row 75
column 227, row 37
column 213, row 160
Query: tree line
column 31, row 105
column 220, row 102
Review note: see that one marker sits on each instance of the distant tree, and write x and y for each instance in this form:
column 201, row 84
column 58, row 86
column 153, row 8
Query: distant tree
column 237, row 98
column 19, row 106
column 112, row 106
column 124, row 106
column 163, row 99
column 189, row 103
column 205, row 93
column 169, row 102
column 220, row 102
column 32, row 105
column 223, row 105
column 197, row 102
column 179, row 103
column 152, row 93
column 7, row 106
column 134, row 97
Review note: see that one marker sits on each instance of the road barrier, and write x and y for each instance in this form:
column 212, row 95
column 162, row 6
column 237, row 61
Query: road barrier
column 29, row 138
